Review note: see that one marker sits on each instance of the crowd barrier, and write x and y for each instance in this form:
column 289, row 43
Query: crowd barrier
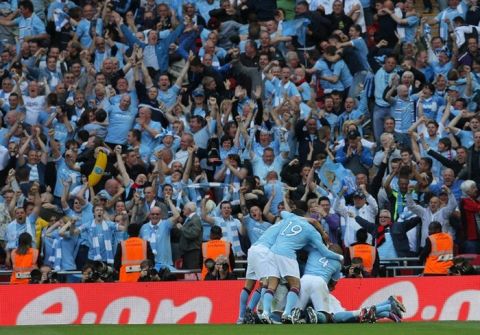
column 426, row 298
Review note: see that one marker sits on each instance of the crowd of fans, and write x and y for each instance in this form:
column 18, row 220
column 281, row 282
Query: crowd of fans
column 223, row 113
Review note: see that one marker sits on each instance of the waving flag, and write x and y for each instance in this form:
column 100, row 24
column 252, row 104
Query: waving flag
column 296, row 28
column 334, row 176
column 60, row 18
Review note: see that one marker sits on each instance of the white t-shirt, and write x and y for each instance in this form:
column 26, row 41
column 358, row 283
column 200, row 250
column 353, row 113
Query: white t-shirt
column 33, row 107
column 361, row 19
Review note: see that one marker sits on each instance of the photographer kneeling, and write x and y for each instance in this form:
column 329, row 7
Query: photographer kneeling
column 218, row 269
column 356, row 270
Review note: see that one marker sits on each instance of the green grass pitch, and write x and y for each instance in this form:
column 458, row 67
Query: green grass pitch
column 412, row 328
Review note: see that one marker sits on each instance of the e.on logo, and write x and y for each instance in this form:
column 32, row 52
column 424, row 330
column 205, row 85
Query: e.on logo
column 460, row 305
column 139, row 309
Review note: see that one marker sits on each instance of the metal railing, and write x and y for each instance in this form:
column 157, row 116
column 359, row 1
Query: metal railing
column 393, row 267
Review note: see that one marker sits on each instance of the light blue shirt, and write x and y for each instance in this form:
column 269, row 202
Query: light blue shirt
column 204, row 8
column 296, row 234
column 255, row 228
column 85, row 216
column 14, row 230
column 64, row 173
column 147, row 141
column 31, row 26
column 451, row 14
column 411, row 28
column 466, row 138
column 361, row 51
column 68, row 245
column 345, row 75
column 382, row 79
column 160, row 244
column 269, row 236
column 327, row 70
column 202, row 136
column 96, row 230
column 278, row 187
column 442, row 69
column 404, row 113
column 119, row 124
column 319, row 265
column 169, row 97
column 83, row 32
column 150, row 57
column 261, row 169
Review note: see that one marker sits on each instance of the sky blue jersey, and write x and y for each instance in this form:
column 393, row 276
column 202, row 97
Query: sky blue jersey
column 319, row 265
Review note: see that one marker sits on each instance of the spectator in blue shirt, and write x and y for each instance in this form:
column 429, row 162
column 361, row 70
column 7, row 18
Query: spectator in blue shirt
column 353, row 155
column 30, row 26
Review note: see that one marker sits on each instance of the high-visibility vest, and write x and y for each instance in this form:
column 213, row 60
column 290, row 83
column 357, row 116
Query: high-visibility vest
column 134, row 252
column 440, row 258
column 366, row 252
column 23, row 265
column 212, row 249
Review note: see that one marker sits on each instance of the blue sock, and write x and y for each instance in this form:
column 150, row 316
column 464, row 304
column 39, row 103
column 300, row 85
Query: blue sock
column 292, row 298
column 254, row 299
column 243, row 302
column 383, row 308
column 267, row 302
column 344, row 317
column 382, row 314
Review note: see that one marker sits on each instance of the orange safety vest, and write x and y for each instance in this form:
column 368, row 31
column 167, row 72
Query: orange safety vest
column 134, row 252
column 212, row 249
column 366, row 252
column 23, row 265
column 440, row 258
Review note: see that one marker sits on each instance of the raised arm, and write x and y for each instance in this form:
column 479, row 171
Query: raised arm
column 175, row 212
column 66, row 190
column 188, row 164
column 266, row 210
column 121, row 166
column 23, row 148
column 204, row 215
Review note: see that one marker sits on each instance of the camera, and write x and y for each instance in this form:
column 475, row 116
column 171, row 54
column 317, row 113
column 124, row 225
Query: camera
column 35, row 277
column 461, row 267
column 225, row 267
column 99, row 271
column 209, row 264
column 357, row 271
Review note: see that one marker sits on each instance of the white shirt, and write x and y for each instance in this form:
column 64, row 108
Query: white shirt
column 33, row 106
column 361, row 19
column 368, row 212
column 427, row 216
column 4, row 157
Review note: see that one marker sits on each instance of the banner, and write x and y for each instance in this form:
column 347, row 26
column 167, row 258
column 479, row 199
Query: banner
column 426, row 299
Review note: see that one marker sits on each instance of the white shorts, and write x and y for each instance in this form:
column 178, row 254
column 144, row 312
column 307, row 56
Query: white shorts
column 286, row 267
column 259, row 262
column 314, row 288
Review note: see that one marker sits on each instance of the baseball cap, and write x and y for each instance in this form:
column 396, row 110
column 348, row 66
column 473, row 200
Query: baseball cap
column 359, row 194
column 198, row 92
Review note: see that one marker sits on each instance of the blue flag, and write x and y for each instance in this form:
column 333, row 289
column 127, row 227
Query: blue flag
column 296, row 28
column 60, row 18
column 334, row 176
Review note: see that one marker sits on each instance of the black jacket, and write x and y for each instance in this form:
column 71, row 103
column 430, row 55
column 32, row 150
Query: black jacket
column 398, row 231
